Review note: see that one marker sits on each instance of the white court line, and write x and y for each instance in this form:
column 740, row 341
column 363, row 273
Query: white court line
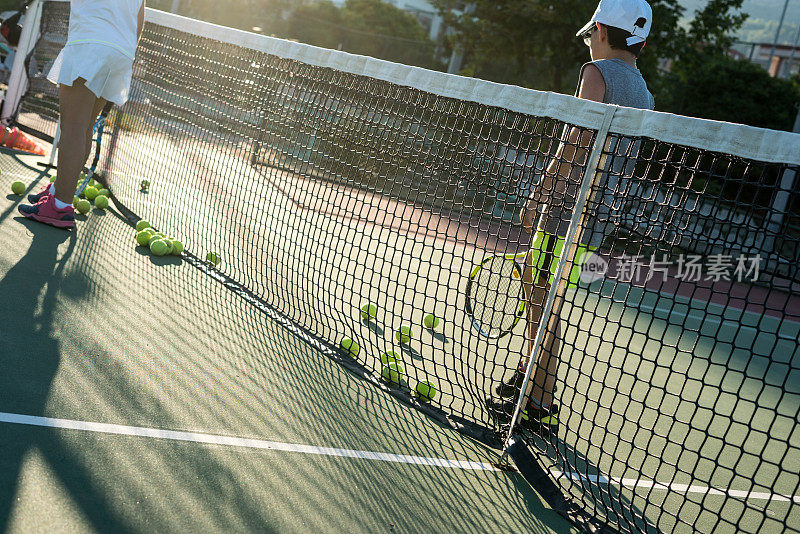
column 214, row 439
column 678, row 488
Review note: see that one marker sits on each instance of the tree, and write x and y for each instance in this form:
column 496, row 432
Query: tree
column 379, row 29
column 739, row 91
column 319, row 24
column 536, row 37
column 368, row 27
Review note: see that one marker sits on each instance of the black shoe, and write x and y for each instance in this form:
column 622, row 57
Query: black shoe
column 510, row 388
column 542, row 421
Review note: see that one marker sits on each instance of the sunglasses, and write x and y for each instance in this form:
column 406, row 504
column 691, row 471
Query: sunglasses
column 587, row 36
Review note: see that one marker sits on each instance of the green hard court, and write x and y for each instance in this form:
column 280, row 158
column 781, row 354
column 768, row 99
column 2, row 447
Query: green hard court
column 138, row 394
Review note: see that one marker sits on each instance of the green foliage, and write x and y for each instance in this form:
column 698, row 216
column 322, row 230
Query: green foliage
column 319, row 24
column 664, row 42
column 536, row 37
column 368, row 27
column 9, row 5
column 738, row 91
column 704, row 82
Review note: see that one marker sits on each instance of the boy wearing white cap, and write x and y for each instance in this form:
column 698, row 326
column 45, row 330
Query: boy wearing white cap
column 615, row 36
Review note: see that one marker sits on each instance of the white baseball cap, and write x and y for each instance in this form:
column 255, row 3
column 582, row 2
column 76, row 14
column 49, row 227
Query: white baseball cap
column 633, row 16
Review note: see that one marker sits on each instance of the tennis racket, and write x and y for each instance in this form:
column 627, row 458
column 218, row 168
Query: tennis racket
column 495, row 294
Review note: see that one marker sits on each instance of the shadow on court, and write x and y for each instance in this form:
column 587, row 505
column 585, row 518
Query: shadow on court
column 95, row 329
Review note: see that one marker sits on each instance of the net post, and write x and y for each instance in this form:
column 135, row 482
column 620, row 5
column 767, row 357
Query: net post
column 18, row 82
column 569, row 242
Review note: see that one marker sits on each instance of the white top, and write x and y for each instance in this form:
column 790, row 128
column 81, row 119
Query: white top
column 109, row 22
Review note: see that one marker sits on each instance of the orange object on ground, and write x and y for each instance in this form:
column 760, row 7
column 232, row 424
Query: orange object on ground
column 15, row 139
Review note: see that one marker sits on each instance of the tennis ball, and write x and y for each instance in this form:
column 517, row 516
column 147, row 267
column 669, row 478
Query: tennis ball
column 154, row 238
column 101, row 202
column 350, row 347
column 213, row 258
column 143, row 238
column 170, row 247
column 159, row 247
column 75, row 201
column 53, row 179
column 83, row 206
column 141, row 225
column 404, row 334
column 90, row 193
column 178, row 247
column 392, row 373
column 430, row 321
column 103, row 191
column 17, row 188
column 369, row 312
column 389, row 357
column 426, row 391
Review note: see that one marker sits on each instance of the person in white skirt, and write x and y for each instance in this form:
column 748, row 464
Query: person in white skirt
column 94, row 67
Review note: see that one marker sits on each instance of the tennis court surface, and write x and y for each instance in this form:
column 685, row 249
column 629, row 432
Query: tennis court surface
column 265, row 433
column 167, row 393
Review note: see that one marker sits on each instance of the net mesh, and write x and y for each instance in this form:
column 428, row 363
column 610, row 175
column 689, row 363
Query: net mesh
column 675, row 360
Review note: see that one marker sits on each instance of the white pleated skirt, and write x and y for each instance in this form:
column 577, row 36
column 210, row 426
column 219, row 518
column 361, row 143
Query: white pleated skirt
column 107, row 71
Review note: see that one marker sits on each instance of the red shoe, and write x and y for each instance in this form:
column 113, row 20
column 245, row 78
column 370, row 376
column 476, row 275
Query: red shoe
column 46, row 212
column 34, row 199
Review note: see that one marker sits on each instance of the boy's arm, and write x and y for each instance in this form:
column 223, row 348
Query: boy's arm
column 140, row 22
column 571, row 151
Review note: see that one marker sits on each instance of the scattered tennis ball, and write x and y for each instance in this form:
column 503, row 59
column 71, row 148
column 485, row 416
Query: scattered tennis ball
column 389, row 357
column 404, row 334
column 430, row 321
column 101, row 202
column 159, row 247
column 392, row 373
column 17, row 188
column 350, row 347
column 90, row 193
column 53, row 179
column 103, row 191
column 83, row 206
column 426, row 391
column 369, row 312
column 141, row 225
column 213, row 258
column 143, row 238
column 178, row 247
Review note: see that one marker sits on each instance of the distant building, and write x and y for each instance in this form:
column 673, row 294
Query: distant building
column 785, row 60
column 427, row 16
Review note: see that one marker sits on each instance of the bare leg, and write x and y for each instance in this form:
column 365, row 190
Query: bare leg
column 98, row 107
column 77, row 105
column 542, row 381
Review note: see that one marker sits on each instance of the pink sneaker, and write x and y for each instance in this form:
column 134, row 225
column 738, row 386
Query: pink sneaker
column 34, row 199
column 45, row 211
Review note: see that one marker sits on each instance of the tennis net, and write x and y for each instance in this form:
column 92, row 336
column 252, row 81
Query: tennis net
column 327, row 181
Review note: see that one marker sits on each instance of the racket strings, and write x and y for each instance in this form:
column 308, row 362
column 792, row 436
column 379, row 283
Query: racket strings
column 498, row 295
